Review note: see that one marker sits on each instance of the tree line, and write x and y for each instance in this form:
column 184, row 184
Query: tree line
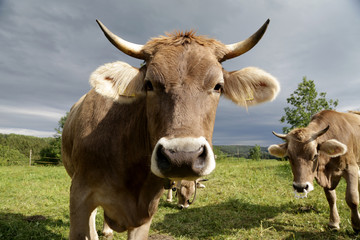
column 242, row 151
column 15, row 149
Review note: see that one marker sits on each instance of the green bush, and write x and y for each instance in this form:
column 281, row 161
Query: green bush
column 25, row 143
column 9, row 156
column 52, row 153
column 255, row 153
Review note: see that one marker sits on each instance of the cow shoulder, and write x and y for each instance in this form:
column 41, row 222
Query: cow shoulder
column 118, row 81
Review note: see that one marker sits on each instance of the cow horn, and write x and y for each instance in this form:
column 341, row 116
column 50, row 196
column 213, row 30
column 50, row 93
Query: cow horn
column 131, row 49
column 321, row 132
column 282, row 136
column 236, row 49
column 203, row 180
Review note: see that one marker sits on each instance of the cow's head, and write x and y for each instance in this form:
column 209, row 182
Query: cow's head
column 181, row 81
column 187, row 190
column 305, row 150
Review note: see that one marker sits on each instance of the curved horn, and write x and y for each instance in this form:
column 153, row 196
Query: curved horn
column 236, row 49
column 131, row 49
column 203, row 180
column 282, row 136
column 321, row 132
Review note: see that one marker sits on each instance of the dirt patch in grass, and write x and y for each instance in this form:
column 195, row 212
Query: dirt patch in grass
column 160, row 237
column 35, row 218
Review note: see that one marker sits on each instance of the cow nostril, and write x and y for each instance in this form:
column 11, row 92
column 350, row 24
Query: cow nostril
column 307, row 187
column 162, row 158
column 200, row 160
column 202, row 152
column 299, row 188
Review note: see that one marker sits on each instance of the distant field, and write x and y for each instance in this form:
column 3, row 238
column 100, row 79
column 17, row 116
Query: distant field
column 243, row 199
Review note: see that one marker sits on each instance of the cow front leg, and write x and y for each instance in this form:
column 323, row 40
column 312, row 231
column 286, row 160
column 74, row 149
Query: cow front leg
column 92, row 225
column 82, row 214
column 140, row 233
column 352, row 196
column 334, row 215
column 107, row 231
column 169, row 195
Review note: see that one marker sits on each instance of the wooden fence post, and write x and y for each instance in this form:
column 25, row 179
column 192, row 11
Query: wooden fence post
column 30, row 157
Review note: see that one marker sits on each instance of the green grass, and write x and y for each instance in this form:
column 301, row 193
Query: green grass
column 243, row 199
column 34, row 203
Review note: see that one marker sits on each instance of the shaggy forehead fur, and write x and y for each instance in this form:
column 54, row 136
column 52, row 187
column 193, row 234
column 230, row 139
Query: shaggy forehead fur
column 187, row 184
column 300, row 134
column 178, row 38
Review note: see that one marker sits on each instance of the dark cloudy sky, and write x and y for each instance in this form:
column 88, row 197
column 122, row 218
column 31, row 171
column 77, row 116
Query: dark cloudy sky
column 49, row 48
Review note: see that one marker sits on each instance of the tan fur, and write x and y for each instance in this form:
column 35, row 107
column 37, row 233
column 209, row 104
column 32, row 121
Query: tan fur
column 355, row 112
column 179, row 38
column 333, row 148
column 110, row 134
column 300, row 134
column 278, row 150
column 250, row 86
column 185, row 191
column 117, row 80
column 334, row 154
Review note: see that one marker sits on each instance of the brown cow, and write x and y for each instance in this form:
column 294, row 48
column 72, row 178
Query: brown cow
column 327, row 149
column 184, row 191
column 137, row 126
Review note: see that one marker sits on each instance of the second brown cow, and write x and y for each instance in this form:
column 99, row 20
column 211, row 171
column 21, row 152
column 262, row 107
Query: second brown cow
column 327, row 150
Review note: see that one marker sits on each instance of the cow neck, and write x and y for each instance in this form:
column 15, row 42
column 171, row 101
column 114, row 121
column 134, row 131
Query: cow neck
column 329, row 173
column 145, row 186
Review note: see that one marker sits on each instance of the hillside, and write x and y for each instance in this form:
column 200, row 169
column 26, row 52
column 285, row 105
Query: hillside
column 15, row 149
column 239, row 151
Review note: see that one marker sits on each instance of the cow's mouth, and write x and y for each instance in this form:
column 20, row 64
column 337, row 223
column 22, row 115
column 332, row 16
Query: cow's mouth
column 300, row 194
column 301, row 190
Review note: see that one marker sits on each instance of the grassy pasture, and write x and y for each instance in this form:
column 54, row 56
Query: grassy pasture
column 243, row 199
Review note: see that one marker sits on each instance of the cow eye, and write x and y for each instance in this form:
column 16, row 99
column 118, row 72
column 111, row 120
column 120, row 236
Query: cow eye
column 218, row 88
column 148, row 86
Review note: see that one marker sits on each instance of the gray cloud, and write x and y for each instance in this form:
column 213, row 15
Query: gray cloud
column 49, row 49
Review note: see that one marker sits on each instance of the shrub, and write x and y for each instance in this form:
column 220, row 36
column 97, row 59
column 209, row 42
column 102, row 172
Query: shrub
column 9, row 156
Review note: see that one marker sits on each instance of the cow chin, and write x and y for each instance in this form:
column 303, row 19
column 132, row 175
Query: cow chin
column 182, row 158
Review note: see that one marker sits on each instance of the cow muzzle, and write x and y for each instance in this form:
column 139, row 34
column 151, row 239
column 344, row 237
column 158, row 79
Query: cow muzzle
column 302, row 189
column 182, row 158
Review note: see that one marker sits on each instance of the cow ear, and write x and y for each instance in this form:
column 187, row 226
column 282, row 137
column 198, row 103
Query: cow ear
column 333, row 148
column 116, row 80
column 278, row 150
column 200, row 185
column 250, row 86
